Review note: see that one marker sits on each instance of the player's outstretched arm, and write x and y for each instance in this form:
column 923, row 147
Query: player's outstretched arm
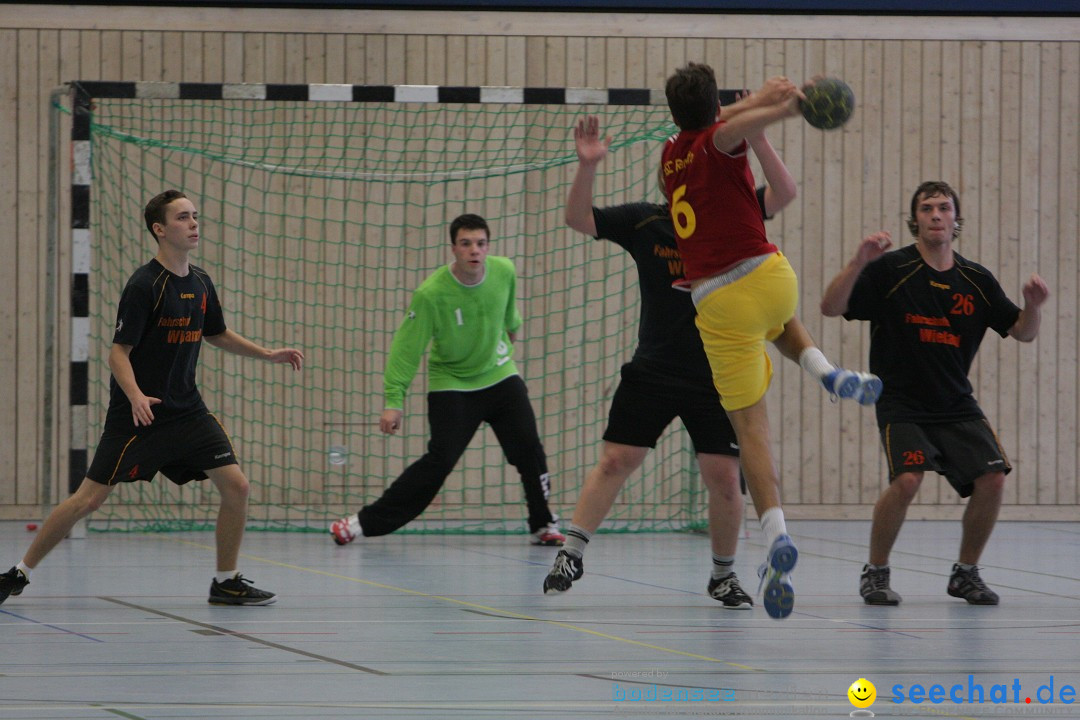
column 780, row 188
column 591, row 149
column 237, row 344
column 837, row 295
column 777, row 99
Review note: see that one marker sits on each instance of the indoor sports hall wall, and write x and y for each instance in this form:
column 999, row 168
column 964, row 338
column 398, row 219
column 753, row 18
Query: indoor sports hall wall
column 988, row 105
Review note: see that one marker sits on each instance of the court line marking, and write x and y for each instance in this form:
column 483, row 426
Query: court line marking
column 476, row 606
column 244, row 636
column 119, row 713
column 53, row 627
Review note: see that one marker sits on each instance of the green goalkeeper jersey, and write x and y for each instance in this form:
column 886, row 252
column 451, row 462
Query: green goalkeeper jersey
column 467, row 326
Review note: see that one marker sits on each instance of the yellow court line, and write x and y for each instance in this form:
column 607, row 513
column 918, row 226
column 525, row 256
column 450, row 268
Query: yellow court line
column 477, row 606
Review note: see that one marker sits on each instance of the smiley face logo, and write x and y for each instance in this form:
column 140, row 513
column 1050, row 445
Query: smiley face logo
column 862, row 693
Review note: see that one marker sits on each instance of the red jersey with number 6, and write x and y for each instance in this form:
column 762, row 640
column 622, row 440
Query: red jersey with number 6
column 713, row 204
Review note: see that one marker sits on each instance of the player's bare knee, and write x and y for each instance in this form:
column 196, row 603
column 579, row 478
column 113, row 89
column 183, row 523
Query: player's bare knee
column 89, row 497
column 726, row 487
column 615, row 463
column 232, row 484
column 906, row 485
column 991, row 483
column 240, row 487
column 91, row 504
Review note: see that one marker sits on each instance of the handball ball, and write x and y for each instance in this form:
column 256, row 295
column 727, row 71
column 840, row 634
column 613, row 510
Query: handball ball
column 829, row 103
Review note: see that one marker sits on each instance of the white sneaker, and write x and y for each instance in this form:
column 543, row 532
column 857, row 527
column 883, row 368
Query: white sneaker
column 549, row 535
column 861, row 387
column 345, row 530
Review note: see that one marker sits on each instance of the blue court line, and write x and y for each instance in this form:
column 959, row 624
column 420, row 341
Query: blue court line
column 53, row 627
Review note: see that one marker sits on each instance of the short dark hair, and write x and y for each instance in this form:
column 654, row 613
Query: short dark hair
column 929, row 189
column 155, row 209
column 468, row 221
column 692, row 96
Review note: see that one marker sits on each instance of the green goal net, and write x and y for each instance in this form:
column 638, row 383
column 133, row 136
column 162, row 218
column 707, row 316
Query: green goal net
column 318, row 220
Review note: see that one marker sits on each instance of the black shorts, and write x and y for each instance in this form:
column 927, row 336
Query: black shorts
column 181, row 450
column 961, row 451
column 647, row 401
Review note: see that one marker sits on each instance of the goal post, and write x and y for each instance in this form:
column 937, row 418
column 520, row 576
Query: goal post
column 322, row 207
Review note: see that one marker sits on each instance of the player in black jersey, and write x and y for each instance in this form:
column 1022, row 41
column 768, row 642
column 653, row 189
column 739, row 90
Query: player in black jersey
column 929, row 308
column 156, row 421
column 669, row 375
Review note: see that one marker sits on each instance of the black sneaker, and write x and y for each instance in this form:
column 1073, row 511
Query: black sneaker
column 968, row 585
column 12, row 583
column 239, row 591
column 874, row 587
column 567, row 569
column 730, row 593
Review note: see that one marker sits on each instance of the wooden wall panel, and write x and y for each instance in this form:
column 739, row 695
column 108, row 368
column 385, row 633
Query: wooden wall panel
column 9, row 272
column 991, row 109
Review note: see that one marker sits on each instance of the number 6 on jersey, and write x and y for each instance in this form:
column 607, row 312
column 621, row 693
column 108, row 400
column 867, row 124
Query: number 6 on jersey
column 682, row 214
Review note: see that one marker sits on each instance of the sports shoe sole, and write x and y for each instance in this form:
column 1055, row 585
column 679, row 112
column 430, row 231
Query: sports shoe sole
column 848, row 388
column 979, row 601
column 779, row 596
column 241, row 601
column 744, row 605
column 871, row 600
column 869, row 392
column 783, row 555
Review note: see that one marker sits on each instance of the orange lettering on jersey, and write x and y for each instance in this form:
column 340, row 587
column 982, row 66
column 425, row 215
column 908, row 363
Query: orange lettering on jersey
column 174, row 321
column 924, row 320
column 940, row 337
column 187, row 296
column 183, row 336
column 939, row 285
column 666, row 252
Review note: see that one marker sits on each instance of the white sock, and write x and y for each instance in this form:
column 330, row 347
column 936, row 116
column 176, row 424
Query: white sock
column 814, row 362
column 722, row 566
column 223, row 575
column 773, row 525
column 25, row 570
column 354, row 525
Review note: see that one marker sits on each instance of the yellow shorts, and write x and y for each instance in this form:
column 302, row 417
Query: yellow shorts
column 735, row 322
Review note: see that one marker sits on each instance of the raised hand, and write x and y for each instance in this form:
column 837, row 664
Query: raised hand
column 873, row 246
column 591, row 149
column 1035, row 291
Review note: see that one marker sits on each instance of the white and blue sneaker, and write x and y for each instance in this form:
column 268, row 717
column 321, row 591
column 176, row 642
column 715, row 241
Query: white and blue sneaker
column 779, row 595
column 863, row 388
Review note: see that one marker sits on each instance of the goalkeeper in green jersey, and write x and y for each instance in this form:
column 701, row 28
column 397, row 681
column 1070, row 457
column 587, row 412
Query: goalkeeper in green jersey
column 467, row 311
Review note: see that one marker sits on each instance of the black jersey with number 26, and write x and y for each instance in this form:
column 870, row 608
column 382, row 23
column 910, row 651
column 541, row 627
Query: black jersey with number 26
column 164, row 317
column 925, row 328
